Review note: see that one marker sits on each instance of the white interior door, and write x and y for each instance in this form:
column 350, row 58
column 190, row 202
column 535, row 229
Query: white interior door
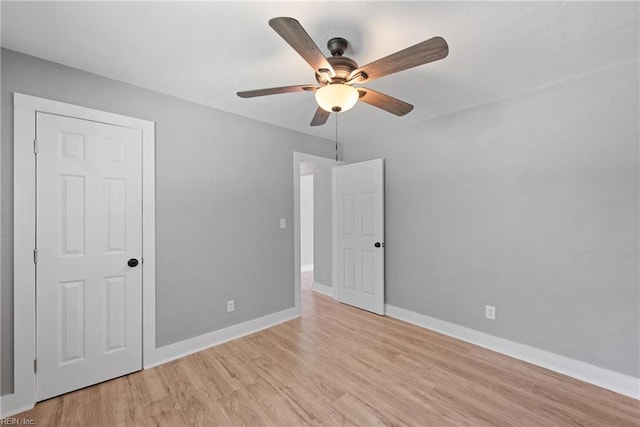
column 89, row 229
column 359, row 203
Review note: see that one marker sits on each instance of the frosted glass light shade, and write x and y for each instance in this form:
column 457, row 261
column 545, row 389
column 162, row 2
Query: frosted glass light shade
column 336, row 97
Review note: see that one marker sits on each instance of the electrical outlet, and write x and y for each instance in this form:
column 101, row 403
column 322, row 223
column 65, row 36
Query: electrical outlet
column 490, row 312
column 283, row 223
column 231, row 305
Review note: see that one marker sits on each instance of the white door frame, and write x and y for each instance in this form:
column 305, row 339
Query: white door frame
column 24, row 235
column 322, row 161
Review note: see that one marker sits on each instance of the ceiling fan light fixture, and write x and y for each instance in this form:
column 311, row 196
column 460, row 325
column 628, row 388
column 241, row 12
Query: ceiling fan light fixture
column 337, row 97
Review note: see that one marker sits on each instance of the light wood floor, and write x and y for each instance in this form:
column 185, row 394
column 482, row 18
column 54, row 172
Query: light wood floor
column 339, row 365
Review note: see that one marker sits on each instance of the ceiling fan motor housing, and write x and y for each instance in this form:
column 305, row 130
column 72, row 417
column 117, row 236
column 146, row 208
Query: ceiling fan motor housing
column 343, row 67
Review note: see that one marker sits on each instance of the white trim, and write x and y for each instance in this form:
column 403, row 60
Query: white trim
column 23, row 267
column 297, row 158
column 306, row 267
column 10, row 408
column 334, row 233
column 211, row 339
column 25, row 108
column 322, row 289
column 614, row 381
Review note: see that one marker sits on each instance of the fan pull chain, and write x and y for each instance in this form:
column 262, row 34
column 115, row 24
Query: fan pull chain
column 336, row 136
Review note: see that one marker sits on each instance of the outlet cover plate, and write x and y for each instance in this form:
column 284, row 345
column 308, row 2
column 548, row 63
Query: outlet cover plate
column 490, row 312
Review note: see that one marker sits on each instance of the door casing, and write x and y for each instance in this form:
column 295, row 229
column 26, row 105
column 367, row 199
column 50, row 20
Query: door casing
column 24, row 229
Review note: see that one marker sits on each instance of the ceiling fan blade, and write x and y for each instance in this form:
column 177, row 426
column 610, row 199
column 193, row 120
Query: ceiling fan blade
column 384, row 102
column 276, row 91
column 293, row 33
column 320, row 117
column 419, row 54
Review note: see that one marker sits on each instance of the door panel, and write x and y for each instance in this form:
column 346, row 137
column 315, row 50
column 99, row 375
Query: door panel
column 368, row 272
column 72, row 217
column 72, row 320
column 116, row 313
column 89, row 223
column 115, row 203
column 360, row 224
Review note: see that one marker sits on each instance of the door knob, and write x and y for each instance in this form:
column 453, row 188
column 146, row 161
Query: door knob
column 378, row 244
column 132, row 262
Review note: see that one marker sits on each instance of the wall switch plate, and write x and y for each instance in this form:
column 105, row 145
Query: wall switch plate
column 283, row 223
column 490, row 312
column 231, row 305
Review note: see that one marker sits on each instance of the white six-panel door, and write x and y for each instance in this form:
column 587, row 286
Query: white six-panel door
column 89, row 225
column 359, row 200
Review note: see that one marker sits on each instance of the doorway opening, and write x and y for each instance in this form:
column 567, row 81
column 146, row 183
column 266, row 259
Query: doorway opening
column 307, row 226
column 350, row 222
column 313, row 230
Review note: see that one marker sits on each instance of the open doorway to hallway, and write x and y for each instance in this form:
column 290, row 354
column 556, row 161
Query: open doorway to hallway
column 348, row 237
column 306, row 223
column 313, row 231
column 316, row 248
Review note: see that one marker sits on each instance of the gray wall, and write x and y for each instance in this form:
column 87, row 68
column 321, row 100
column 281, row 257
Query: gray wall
column 529, row 204
column 222, row 184
column 322, row 248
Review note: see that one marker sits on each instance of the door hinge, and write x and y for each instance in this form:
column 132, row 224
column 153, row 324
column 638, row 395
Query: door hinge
column 35, row 256
column 35, row 146
column 35, row 366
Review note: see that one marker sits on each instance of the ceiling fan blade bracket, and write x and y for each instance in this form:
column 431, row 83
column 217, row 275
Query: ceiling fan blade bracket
column 324, row 76
column 358, row 76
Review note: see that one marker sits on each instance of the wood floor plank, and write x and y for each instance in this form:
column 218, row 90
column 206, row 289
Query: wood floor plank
column 319, row 405
column 341, row 366
column 242, row 410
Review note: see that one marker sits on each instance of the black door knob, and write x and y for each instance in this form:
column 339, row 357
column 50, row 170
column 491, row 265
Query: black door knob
column 377, row 244
column 132, row 262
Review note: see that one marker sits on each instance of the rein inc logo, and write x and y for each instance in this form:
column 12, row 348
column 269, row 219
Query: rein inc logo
column 15, row 421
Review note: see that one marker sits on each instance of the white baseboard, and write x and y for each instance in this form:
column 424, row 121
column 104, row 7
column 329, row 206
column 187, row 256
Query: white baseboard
column 202, row 342
column 322, row 289
column 306, row 267
column 614, row 381
column 10, row 406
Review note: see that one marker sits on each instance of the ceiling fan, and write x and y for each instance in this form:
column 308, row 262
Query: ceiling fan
column 336, row 74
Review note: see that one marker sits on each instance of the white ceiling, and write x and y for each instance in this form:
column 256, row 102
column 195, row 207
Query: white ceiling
column 206, row 51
